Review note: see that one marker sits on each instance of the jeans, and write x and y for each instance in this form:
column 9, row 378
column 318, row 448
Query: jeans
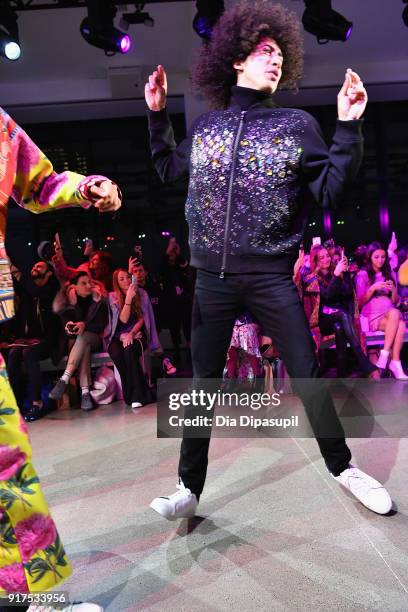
column 273, row 300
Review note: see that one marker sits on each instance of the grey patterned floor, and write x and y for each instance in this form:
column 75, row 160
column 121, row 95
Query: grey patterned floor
column 277, row 533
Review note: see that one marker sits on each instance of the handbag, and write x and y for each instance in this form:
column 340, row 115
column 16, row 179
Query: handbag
column 104, row 386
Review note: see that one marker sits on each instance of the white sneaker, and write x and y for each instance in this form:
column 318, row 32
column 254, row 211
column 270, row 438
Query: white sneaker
column 368, row 491
column 136, row 406
column 79, row 607
column 182, row 504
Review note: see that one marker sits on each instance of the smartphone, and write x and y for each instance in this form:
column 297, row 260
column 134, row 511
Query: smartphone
column 316, row 240
column 57, row 240
column 134, row 280
column 71, row 328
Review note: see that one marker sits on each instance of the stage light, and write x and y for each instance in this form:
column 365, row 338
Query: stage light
column 326, row 24
column 98, row 29
column 405, row 13
column 10, row 49
column 136, row 18
column 9, row 40
column 208, row 13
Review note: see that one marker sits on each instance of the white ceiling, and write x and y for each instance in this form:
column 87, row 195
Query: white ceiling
column 61, row 76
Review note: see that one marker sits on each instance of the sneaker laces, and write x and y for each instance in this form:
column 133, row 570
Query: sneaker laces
column 182, row 490
column 357, row 481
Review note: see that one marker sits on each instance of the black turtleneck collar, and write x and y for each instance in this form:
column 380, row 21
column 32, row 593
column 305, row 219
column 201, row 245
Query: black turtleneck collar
column 245, row 97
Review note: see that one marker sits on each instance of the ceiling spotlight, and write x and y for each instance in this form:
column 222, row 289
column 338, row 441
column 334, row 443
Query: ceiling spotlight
column 208, row 13
column 9, row 40
column 98, row 29
column 138, row 17
column 405, row 13
column 321, row 20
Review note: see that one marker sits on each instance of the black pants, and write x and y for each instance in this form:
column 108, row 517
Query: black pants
column 341, row 323
column 131, row 374
column 274, row 301
column 29, row 357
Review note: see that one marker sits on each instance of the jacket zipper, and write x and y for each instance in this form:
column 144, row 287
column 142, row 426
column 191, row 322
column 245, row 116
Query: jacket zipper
column 230, row 186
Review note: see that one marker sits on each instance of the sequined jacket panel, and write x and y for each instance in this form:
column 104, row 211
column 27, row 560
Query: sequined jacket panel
column 257, row 163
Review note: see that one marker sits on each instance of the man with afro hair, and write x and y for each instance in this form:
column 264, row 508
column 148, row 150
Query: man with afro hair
column 250, row 164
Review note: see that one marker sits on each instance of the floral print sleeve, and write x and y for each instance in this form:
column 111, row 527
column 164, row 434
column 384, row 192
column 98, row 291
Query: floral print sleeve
column 36, row 186
column 32, row 557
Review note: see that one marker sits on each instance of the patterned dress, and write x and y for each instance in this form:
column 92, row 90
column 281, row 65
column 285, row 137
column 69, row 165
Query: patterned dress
column 32, row 557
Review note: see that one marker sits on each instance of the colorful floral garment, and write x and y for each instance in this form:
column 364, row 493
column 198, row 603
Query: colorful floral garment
column 32, row 557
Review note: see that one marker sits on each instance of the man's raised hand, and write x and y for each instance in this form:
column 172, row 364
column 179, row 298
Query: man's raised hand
column 352, row 98
column 156, row 90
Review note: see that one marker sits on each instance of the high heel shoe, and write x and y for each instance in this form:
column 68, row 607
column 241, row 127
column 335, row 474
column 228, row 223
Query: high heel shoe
column 383, row 359
column 396, row 370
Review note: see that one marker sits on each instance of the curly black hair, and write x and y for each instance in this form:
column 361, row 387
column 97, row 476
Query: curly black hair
column 235, row 36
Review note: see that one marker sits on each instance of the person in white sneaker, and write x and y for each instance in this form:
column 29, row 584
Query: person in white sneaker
column 250, row 164
column 376, row 289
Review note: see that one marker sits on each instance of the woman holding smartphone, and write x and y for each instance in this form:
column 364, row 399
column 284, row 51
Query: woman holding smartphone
column 377, row 296
column 126, row 339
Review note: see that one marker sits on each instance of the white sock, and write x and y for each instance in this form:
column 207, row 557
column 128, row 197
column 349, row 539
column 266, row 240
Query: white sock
column 84, row 390
column 66, row 376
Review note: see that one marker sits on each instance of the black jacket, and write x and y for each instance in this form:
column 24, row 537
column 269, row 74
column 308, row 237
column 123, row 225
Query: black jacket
column 249, row 168
column 34, row 315
column 338, row 293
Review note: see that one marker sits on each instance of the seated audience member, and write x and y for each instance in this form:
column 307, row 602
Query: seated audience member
column 337, row 255
column 402, row 275
column 330, row 246
column 377, row 296
column 244, row 357
column 155, row 294
column 331, row 306
column 36, row 330
column 358, row 260
column 146, row 281
column 126, row 338
column 84, row 313
column 98, row 267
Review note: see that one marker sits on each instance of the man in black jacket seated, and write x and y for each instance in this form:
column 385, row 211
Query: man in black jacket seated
column 36, row 329
column 250, row 164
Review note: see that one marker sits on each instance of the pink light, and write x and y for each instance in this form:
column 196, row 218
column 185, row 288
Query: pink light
column 327, row 222
column 384, row 218
column 125, row 44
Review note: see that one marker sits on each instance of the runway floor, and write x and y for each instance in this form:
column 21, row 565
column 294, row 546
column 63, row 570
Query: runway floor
column 274, row 531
